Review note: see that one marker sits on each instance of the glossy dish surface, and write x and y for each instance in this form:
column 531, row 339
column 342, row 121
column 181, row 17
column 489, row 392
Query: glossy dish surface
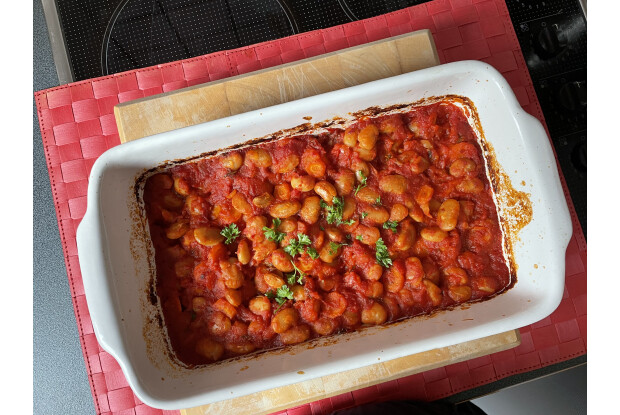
column 315, row 234
column 118, row 274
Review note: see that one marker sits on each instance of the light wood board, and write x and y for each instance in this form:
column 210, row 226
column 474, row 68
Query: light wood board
column 285, row 397
column 353, row 66
column 284, row 83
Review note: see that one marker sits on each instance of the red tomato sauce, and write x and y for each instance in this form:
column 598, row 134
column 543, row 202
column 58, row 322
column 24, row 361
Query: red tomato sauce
column 312, row 235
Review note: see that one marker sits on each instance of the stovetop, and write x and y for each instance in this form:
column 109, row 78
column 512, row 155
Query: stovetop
column 109, row 36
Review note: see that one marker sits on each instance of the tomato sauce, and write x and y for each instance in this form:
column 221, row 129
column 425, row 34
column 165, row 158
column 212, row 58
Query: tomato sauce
column 316, row 234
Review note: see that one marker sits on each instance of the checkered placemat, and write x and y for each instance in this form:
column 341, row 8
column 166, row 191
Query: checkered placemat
column 77, row 125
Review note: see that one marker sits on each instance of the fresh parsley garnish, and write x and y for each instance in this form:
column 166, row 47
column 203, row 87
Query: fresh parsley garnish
column 312, row 252
column 333, row 247
column 362, row 182
column 230, row 233
column 334, row 212
column 290, row 278
column 273, row 233
column 383, row 256
column 391, row 225
column 364, row 214
column 284, row 293
column 281, row 295
column 296, row 277
column 296, row 246
column 304, row 239
column 359, row 237
column 378, row 200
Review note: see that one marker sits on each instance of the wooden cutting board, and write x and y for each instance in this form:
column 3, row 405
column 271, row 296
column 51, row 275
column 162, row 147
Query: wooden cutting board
column 284, row 83
column 285, row 397
column 348, row 67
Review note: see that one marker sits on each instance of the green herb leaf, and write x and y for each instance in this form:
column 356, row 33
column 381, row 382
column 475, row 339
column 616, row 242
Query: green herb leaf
column 296, row 277
column 312, row 252
column 334, row 212
column 297, row 245
column 231, row 232
column 364, row 214
column 333, row 247
column 291, row 278
column 359, row 237
column 280, row 296
column 391, row 225
column 304, row 239
column 362, row 182
column 378, row 201
column 284, row 293
column 273, row 233
column 382, row 255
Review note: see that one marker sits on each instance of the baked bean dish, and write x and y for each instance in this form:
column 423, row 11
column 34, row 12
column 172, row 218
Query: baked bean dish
column 310, row 235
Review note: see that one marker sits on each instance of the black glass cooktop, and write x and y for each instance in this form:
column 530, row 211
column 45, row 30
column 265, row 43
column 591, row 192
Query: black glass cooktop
column 109, row 36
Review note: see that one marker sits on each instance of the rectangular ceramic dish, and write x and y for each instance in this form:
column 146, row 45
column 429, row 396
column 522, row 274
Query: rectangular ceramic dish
column 116, row 272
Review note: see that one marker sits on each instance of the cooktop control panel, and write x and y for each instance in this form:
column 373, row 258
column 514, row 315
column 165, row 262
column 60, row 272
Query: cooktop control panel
column 552, row 34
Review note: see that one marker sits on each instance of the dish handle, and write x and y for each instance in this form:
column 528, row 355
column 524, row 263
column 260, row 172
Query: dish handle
column 100, row 301
column 541, row 156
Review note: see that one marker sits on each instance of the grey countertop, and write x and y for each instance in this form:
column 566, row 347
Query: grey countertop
column 60, row 381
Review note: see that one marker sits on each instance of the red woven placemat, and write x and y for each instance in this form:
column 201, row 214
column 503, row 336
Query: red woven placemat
column 77, row 125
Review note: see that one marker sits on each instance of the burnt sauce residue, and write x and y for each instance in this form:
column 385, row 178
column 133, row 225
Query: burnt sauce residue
column 154, row 330
column 515, row 212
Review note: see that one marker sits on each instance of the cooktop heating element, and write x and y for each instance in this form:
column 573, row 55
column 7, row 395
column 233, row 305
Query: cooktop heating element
column 146, row 32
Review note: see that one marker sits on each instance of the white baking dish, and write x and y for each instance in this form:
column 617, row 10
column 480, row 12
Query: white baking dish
column 116, row 273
